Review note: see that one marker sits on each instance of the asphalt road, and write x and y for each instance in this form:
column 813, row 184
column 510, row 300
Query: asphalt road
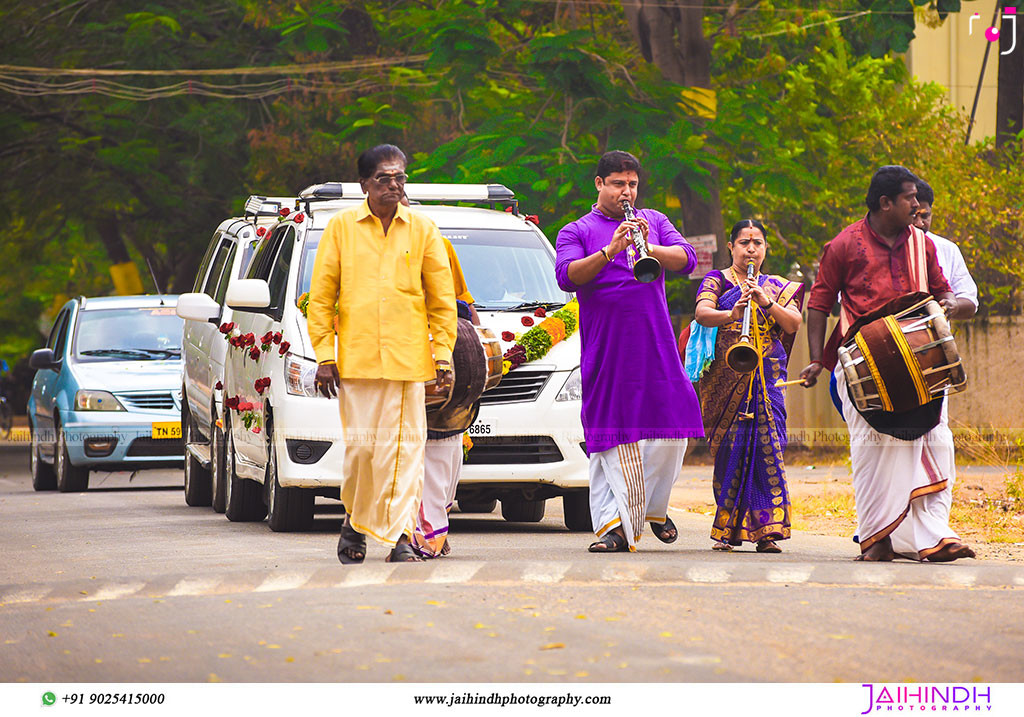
column 125, row 583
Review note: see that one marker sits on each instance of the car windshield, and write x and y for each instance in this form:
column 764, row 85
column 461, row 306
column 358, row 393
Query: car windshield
column 136, row 334
column 505, row 269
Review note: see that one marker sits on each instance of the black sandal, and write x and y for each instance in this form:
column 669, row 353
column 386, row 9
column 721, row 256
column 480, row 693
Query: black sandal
column 661, row 529
column 351, row 545
column 610, row 542
column 403, row 553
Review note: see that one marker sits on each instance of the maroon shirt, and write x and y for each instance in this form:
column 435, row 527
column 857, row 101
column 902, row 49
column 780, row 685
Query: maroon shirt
column 868, row 272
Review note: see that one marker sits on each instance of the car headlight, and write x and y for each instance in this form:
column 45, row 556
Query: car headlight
column 573, row 388
column 96, row 401
column 299, row 374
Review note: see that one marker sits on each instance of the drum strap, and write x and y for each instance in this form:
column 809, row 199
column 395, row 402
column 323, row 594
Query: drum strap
column 913, row 365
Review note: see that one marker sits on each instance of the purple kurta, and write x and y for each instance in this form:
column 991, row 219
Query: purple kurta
column 634, row 386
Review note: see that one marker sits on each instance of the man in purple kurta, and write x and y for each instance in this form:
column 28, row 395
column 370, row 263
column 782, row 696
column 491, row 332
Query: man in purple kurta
column 638, row 405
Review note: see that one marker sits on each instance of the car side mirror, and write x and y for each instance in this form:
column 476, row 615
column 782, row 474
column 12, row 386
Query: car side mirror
column 43, row 359
column 197, row 307
column 251, row 295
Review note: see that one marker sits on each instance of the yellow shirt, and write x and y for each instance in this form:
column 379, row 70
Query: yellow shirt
column 461, row 289
column 391, row 291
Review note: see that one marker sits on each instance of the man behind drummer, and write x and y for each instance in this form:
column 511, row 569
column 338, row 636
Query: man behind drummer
column 900, row 486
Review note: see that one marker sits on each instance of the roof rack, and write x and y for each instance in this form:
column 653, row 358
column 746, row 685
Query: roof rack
column 260, row 206
column 491, row 194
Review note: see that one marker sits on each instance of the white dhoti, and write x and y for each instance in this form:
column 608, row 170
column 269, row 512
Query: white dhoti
column 631, row 484
column 902, row 489
column 384, row 424
column 442, row 468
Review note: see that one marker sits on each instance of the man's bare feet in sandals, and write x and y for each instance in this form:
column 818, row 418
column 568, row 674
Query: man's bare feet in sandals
column 614, row 541
column 403, row 552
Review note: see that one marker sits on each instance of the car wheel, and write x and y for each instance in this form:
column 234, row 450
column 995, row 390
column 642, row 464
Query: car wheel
column 478, row 506
column 43, row 476
column 288, row 509
column 576, row 506
column 70, row 478
column 198, row 490
column 218, row 483
column 519, row 510
column 243, row 503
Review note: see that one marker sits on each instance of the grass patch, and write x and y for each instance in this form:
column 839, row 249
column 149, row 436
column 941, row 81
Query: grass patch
column 831, row 512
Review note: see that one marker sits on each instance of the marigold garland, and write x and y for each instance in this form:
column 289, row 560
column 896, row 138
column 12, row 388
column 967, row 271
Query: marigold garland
column 535, row 343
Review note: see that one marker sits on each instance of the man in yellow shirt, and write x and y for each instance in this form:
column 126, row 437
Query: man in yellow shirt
column 386, row 269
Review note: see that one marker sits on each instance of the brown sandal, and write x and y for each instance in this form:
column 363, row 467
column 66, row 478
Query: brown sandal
column 768, row 546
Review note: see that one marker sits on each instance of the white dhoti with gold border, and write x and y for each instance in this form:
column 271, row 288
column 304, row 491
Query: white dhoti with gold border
column 902, row 489
column 443, row 467
column 631, row 483
column 384, row 424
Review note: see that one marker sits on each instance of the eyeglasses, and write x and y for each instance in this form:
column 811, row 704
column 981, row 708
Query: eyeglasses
column 386, row 179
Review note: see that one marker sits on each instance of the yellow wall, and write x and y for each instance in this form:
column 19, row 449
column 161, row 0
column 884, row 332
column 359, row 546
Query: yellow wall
column 951, row 57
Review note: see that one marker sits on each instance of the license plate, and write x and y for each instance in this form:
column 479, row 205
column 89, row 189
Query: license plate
column 482, row 429
column 168, row 429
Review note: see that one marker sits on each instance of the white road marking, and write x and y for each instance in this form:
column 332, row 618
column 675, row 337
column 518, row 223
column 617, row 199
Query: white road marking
column 283, row 581
column 956, row 578
column 193, row 586
column 798, row 574
column 453, row 572
column 112, row 592
column 357, row 575
column 623, row 573
column 875, row 577
column 27, row 595
column 545, row 572
column 707, row 575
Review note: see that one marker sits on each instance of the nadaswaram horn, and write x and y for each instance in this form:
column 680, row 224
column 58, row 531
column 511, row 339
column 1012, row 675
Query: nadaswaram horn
column 742, row 356
column 646, row 268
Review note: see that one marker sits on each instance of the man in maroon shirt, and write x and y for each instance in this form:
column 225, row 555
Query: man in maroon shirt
column 897, row 483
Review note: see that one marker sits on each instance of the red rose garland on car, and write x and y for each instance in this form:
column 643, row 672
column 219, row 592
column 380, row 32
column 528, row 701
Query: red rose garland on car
column 247, row 410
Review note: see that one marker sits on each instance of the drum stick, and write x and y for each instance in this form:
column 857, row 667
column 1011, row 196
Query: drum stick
column 795, row 381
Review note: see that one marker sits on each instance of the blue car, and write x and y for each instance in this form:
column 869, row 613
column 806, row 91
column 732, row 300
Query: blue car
column 106, row 394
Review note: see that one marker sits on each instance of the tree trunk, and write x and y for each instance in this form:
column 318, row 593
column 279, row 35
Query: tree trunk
column 1010, row 88
column 670, row 34
column 122, row 270
column 110, row 234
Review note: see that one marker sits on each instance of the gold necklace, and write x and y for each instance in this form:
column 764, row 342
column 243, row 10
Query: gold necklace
column 735, row 277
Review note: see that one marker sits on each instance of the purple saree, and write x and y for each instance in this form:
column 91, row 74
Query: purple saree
column 745, row 419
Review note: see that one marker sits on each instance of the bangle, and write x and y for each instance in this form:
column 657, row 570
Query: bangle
column 605, row 255
column 811, row 363
column 768, row 308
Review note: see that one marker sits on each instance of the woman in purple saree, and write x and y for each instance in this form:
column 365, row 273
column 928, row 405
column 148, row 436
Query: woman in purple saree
column 745, row 413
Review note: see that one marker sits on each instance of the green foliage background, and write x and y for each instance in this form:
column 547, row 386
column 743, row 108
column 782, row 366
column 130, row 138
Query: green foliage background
column 525, row 93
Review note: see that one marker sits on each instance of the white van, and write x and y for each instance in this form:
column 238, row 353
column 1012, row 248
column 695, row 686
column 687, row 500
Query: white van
column 528, row 439
column 203, row 349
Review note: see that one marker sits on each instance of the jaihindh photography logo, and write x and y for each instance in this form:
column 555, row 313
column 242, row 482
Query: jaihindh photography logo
column 923, row 698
